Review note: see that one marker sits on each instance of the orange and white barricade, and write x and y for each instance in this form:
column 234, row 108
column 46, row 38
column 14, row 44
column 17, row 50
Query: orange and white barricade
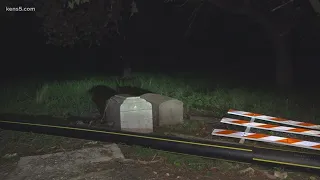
column 302, row 128
column 267, row 138
column 274, row 119
column 271, row 127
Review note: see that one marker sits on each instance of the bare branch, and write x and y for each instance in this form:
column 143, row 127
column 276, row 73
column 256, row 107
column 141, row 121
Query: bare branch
column 184, row 3
column 282, row 5
column 193, row 17
column 315, row 5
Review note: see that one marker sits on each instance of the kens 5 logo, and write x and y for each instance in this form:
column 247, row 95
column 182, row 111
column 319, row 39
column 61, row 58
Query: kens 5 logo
column 20, row 8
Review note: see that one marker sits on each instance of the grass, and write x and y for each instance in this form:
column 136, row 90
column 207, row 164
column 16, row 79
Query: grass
column 61, row 98
column 71, row 97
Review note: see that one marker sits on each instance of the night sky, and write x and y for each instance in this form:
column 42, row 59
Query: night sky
column 220, row 45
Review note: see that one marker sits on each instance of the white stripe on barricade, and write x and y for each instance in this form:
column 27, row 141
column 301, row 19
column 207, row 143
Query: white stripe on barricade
column 267, row 138
column 274, row 119
column 271, row 127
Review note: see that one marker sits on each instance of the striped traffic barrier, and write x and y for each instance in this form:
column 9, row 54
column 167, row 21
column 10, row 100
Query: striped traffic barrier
column 267, row 138
column 274, row 119
column 271, row 127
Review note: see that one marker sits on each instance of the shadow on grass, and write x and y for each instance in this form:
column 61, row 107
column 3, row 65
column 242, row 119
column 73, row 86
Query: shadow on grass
column 101, row 93
column 134, row 91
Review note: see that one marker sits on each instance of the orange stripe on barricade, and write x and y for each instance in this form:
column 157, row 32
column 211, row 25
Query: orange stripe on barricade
column 271, row 127
column 274, row 119
column 267, row 138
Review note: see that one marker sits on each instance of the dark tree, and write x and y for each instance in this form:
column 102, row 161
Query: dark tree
column 278, row 19
column 83, row 23
column 86, row 23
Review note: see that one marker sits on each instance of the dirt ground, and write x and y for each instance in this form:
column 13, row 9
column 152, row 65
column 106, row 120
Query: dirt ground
column 125, row 166
column 132, row 170
column 14, row 146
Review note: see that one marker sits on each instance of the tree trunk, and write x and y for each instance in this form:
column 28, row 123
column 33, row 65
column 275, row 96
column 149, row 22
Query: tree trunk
column 284, row 64
column 315, row 5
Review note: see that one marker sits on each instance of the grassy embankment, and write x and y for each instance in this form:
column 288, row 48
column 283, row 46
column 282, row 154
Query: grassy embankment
column 71, row 97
